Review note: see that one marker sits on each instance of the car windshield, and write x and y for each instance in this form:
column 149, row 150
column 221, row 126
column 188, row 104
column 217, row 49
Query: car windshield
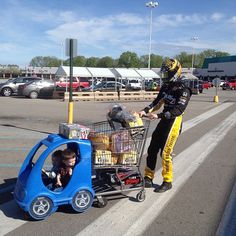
column 133, row 81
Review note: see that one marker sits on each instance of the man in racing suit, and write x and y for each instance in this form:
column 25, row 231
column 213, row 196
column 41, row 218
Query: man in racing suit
column 174, row 95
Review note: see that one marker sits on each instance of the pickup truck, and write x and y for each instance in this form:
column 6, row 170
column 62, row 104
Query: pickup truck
column 77, row 83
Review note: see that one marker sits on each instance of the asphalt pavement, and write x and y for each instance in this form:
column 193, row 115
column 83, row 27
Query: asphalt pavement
column 198, row 199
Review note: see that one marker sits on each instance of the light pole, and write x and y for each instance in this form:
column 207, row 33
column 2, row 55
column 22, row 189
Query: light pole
column 195, row 38
column 62, row 52
column 151, row 5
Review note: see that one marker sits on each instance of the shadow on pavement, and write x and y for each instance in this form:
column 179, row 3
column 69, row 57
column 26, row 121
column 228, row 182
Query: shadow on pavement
column 13, row 126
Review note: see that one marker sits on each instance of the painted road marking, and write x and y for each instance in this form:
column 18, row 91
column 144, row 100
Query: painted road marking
column 9, row 223
column 130, row 218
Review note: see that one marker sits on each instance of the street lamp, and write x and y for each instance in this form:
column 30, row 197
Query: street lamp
column 151, row 5
column 195, row 38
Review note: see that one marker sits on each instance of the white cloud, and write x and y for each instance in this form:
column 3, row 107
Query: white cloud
column 232, row 20
column 128, row 19
column 94, row 30
column 217, row 16
column 7, row 47
column 177, row 20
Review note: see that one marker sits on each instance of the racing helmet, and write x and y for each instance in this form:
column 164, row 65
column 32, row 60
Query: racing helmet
column 170, row 70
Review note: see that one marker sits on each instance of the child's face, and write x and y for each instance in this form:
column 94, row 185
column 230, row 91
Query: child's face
column 69, row 162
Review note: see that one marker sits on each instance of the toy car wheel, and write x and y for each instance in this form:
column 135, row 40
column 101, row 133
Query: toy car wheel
column 40, row 208
column 141, row 196
column 82, row 201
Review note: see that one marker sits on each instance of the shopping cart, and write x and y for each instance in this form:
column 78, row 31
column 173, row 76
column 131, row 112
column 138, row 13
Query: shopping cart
column 116, row 160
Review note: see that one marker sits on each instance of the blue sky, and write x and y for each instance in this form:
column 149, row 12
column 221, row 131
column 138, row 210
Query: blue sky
column 30, row 28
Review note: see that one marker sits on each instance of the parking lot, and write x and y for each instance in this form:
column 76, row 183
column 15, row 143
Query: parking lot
column 24, row 122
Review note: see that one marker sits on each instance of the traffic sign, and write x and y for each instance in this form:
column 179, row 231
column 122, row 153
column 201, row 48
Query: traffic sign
column 216, row 82
column 74, row 47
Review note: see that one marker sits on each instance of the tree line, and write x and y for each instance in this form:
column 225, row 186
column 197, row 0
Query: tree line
column 126, row 60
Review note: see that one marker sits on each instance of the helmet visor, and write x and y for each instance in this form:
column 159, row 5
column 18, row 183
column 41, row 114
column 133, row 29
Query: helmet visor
column 165, row 76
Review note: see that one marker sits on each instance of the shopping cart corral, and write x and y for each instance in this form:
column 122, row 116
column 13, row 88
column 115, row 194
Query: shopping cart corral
column 116, row 160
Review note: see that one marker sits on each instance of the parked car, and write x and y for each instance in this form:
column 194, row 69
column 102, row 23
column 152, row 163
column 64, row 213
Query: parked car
column 77, row 83
column 231, row 84
column 39, row 88
column 194, row 84
column 11, row 86
column 133, row 84
column 105, row 86
column 222, row 82
column 206, row 84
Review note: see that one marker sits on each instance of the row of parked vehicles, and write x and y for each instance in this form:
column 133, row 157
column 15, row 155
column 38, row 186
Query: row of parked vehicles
column 34, row 87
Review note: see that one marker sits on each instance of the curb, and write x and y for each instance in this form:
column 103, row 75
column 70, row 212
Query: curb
column 227, row 226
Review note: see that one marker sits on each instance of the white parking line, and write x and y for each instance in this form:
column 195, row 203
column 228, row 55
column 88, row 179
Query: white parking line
column 132, row 218
column 9, row 221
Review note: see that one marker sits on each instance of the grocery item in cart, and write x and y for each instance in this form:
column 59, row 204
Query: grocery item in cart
column 74, row 131
column 136, row 122
column 121, row 141
column 119, row 118
column 114, row 159
column 128, row 158
column 100, row 141
column 102, row 157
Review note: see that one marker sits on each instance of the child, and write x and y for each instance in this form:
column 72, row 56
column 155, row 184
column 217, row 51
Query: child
column 50, row 179
column 56, row 162
column 66, row 169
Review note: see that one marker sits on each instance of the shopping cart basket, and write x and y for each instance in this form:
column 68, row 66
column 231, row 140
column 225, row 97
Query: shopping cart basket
column 116, row 159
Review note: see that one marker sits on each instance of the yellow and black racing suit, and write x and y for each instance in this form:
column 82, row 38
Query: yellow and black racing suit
column 175, row 97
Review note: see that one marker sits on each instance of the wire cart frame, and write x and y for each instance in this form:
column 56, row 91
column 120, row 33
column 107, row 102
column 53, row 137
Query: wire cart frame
column 117, row 157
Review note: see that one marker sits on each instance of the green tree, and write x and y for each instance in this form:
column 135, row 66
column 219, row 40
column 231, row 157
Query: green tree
column 40, row 61
column 129, row 60
column 77, row 61
column 106, row 62
column 91, row 62
column 208, row 54
column 185, row 59
column 155, row 62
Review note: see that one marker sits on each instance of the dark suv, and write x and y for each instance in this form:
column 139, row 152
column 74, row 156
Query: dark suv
column 11, row 86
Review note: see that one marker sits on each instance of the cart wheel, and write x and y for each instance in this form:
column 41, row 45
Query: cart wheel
column 141, row 196
column 40, row 208
column 82, row 201
column 101, row 202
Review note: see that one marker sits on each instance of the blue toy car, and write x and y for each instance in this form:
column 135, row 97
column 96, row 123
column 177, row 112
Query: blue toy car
column 31, row 191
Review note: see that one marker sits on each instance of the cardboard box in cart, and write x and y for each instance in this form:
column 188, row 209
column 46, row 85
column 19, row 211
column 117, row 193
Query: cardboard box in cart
column 73, row 131
column 128, row 158
column 103, row 157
